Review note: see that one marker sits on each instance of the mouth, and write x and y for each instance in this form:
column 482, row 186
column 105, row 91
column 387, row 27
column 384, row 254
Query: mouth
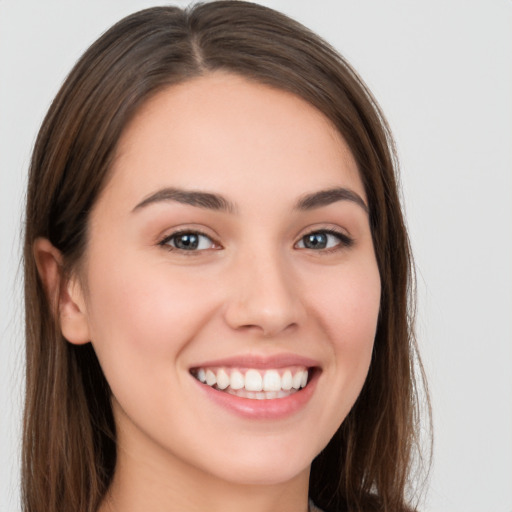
column 256, row 383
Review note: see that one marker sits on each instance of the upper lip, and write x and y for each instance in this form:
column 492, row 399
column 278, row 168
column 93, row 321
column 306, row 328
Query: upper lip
column 260, row 362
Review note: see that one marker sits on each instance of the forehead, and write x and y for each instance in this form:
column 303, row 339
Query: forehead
column 223, row 130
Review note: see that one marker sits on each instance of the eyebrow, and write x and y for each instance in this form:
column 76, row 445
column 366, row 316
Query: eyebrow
column 329, row 196
column 211, row 201
column 205, row 200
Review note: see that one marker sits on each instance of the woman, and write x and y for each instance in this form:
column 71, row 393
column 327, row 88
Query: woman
column 217, row 274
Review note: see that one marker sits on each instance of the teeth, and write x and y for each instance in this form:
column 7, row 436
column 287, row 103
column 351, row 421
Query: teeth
column 237, row 380
column 253, row 381
column 271, row 381
column 286, row 380
column 304, row 379
column 201, row 375
column 296, row 381
column 211, row 379
column 222, row 379
column 255, row 384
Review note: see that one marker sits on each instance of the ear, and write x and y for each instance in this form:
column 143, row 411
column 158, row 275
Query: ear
column 64, row 293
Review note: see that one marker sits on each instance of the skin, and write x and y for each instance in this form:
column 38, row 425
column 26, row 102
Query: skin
column 152, row 311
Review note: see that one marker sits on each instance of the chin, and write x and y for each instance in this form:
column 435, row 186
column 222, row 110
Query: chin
column 265, row 475
column 268, row 467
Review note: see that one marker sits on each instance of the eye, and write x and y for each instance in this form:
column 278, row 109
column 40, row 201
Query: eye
column 188, row 241
column 324, row 239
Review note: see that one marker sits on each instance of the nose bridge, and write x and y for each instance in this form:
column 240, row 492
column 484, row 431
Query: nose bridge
column 263, row 294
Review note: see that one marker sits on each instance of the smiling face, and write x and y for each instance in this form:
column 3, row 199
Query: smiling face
column 229, row 262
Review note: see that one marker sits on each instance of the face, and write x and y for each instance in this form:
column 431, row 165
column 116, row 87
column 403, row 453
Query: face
column 231, row 289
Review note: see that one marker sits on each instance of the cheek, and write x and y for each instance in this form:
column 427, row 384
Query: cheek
column 137, row 298
column 347, row 303
column 348, row 310
column 142, row 316
column 358, row 313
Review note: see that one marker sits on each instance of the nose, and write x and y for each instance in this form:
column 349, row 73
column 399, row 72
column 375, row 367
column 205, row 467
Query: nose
column 263, row 296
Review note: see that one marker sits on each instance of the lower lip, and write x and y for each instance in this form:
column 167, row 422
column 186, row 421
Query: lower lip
column 269, row 409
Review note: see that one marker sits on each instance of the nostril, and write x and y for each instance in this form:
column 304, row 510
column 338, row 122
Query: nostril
column 278, row 328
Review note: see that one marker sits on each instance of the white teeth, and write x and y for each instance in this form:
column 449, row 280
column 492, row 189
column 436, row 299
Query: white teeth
column 286, row 380
column 271, row 381
column 211, row 379
column 255, row 384
column 296, row 382
column 253, row 381
column 237, row 380
column 222, row 379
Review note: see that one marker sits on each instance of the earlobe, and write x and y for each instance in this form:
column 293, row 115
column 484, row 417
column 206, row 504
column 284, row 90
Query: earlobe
column 64, row 293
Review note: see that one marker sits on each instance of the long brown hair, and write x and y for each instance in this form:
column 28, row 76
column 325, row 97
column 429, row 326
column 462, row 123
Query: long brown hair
column 69, row 450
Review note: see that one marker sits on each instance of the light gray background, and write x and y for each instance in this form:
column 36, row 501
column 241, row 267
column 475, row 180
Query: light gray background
column 442, row 71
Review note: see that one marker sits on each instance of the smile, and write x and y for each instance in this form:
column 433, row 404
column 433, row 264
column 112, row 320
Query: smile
column 254, row 383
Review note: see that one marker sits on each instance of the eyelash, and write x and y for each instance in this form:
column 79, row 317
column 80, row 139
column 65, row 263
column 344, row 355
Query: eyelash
column 344, row 241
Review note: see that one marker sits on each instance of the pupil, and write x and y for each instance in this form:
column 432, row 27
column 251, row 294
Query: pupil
column 315, row 241
column 189, row 241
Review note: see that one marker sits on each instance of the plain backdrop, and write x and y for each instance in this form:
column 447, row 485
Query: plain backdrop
column 442, row 71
